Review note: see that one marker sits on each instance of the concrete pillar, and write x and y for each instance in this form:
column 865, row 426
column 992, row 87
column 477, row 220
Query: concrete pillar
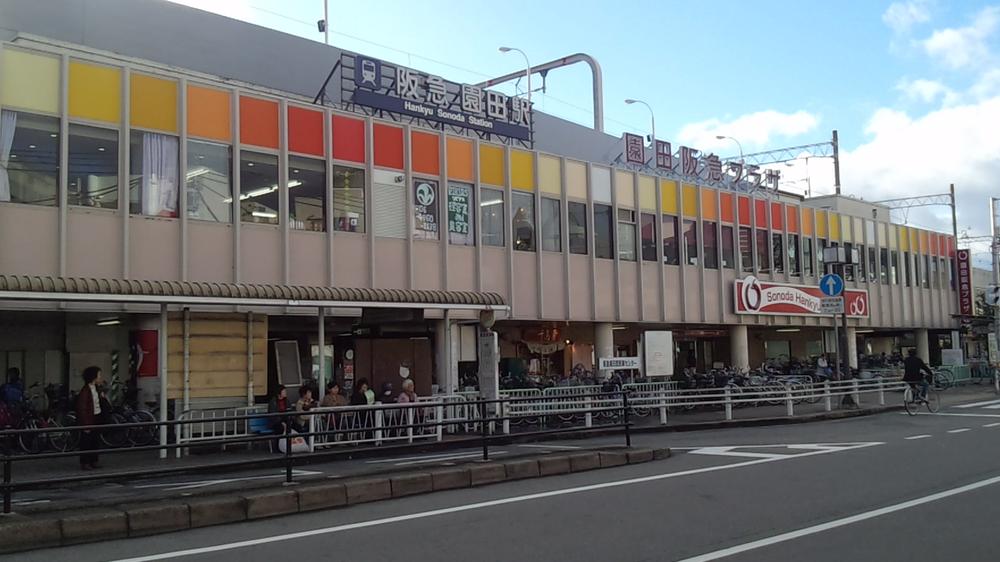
column 923, row 345
column 442, row 357
column 739, row 347
column 852, row 347
column 604, row 345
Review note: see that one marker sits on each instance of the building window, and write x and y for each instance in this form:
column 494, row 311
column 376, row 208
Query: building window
column 728, row 248
column 872, row 265
column 691, row 242
column 577, row 227
column 425, row 209
column 348, row 199
column 29, row 158
column 807, row 256
column 307, row 194
column 258, row 188
column 523, row 230
column 389, row 204
column 907, row 274
column 93, row 167
column 763, row 251
column 711, row 245
column 820, row 264
column 551, row 225
column 648, row 236
column 951, row 273
column 460, row 227
column 926, row 274
column 671, row 247
column 208, row 184
column 935, row 284
column 626, row 234
column 603, row 228
column 793, row 255
column 153, row 175
column 849, row 269
column 491, row 217
column 778, row 251
column 884, row 271
column 895, row 267
column 746, row 249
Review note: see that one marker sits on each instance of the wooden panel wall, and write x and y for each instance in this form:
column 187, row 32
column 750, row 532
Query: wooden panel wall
column 218, row 362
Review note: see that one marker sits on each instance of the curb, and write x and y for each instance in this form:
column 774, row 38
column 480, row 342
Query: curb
column 25, row 532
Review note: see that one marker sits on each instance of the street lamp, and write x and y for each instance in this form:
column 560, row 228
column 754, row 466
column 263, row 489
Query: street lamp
column 652, row 120
column 809, row 186
column 740, row 146
column 527, row 71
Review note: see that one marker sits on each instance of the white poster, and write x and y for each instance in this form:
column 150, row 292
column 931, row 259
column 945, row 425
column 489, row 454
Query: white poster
column 489, row 365
column 658, row 352
column 994, row 356
column 952, row 357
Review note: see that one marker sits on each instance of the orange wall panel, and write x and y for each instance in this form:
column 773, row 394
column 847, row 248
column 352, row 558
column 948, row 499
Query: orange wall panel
column 760, row 212
column 709, row 209
column 258, row 122
column 388, row 146
column 792, row 218
column 744, row 210
column 209, row 113
column 808, row 222
column 348, row 139
column 305, row 131
column 425, row 150
column 460, row 159
column 777, row 217
column 726, row 205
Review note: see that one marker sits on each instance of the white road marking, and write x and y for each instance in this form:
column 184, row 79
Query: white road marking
column 806, row 531
column 924, row 436
column 958, row 415
column 173, row 486
column 729, row 452
column 978, row 404
column 994, row 424
column 959, row 430
column 455, row 458
column 993, row 407
column 421, row 457
column 474, row 506
column 568, row 447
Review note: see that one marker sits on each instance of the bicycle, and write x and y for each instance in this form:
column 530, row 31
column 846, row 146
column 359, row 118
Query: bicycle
column 913, row 398
column 943, row 379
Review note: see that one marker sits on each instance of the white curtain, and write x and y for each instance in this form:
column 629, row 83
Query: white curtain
column 159, row 175
column 8, row 122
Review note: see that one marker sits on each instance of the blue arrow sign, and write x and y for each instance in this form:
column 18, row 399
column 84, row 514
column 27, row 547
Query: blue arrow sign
column 831, row 284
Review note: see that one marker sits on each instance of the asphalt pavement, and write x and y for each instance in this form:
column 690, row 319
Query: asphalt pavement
column 887, row 487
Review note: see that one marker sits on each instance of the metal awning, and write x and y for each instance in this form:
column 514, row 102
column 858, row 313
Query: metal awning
column 75, row 289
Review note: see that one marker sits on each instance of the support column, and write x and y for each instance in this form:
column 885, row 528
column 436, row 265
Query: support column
column 852, row 346
column 162, row 358
column 442, row 356
column 321, row 377
column 923, row 345
column 739, row 347
column 604, row 346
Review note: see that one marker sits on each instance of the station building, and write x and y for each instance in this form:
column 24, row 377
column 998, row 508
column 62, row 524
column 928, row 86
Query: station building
column 176, row 186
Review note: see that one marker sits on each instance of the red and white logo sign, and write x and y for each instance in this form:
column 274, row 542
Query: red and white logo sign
column 754, row 296
column 965, row 291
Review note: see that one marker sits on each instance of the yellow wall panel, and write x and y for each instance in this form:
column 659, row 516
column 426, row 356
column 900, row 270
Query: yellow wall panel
column 522, row 170
column 845, row 228
column 904, row 238
column 491, row 164
column 625, row 189
column 690, row 200
column 859, row 231
column 95, row 92
column 549, row 176
column 834, row 224
column 647, row 193
column 29, row 81
column 576, row 179
column 709, row 204
column 668, row 197
column 808, row 222
column 153, row 103
column 914, row 240
column 821, row 229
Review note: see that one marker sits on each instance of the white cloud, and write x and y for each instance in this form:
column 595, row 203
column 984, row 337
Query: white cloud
column 987, row 86
column 962, row 47
column 901, row 16
column 927, row 91
column 752, row 130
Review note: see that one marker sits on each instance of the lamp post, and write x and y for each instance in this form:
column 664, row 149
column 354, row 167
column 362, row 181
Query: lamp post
column 527, row 70
column 738, row 144
column 809, row 185
column 652, row 121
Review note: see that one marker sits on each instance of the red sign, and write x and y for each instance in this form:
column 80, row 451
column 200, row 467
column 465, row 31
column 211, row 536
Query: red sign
column 145, row 349
column 754, row 296
column 964, row 283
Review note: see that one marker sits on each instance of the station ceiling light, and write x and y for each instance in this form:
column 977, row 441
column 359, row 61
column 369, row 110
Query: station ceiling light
column 786, row 330
column 111, row 321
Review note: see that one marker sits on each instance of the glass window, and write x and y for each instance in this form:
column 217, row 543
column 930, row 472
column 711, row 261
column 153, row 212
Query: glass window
column 93, row 167
column 778, row 251
column 670, row 240
column 551, row 225
column 925, row 272
column 523, row 229
column 934, row 272
column 820, row 264
column 460, row 227
column 626, row 234
column 603, row 227
column 29, row 154
column 307, row 194
column 691, row 242
column 153, row 175
column 807, row 256
column 577, row 227
column 728, row 248
column 711, row 245
column 848, row 269
column 648, row 236
column 425, row 209
column 793, row 255
column 348, row 199
column 763, row 251
column 746, row 249
column 258, row 187
column 951, row 273
column 884, row 271
column 895, row 267
column 908, row 266
column 491, row 216
column 872, row 265
column 208, row 185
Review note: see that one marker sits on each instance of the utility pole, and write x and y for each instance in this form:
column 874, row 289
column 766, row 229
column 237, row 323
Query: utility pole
column 836, row 161
column 995, row 246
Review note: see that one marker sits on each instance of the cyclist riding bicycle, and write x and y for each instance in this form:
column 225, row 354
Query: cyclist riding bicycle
column 913, row 369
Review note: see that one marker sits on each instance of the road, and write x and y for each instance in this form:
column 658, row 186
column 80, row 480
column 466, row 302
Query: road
column 887, row 487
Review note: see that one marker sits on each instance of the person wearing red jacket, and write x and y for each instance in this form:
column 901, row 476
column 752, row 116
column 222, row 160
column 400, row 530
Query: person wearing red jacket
column 90, row 411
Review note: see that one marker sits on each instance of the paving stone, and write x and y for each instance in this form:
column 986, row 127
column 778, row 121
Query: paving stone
column 636, row 456
column 410, row 484
column 450, row 478
column 18, row 532
column 322, row 496
column 613, row 458
column 93, row 525
column 520, row 469
column 552, row 465
column 151, row 519
column 368, row 490
column 271, row 502
column 584, row 461
column 486, row 473
column 216, row 510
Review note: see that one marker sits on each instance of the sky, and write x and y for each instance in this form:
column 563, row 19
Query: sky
column 913, row 87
